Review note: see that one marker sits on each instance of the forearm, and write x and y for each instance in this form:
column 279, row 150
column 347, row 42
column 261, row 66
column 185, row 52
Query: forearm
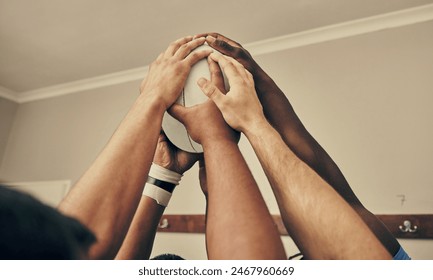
column 321, row 223
column 283, row 118
column 138, row 242
column 107, row 195
column 239, row 225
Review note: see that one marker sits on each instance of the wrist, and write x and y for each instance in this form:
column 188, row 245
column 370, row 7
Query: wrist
column 210, row 143
column 152, row 101
column 256, row 127
column 160, row 184
column 262, row 81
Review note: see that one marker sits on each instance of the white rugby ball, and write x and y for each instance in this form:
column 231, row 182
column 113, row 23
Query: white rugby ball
column 191, row 95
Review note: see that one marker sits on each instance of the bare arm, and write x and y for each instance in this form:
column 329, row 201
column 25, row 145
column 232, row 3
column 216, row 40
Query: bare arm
column 308, row 205
column 320, row 222
column 238, row 225
column 283, row 118
column 139, row 240
column 107, row 195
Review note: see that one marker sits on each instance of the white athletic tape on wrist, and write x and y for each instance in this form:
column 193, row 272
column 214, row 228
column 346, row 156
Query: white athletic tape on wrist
column 163, row 174
column 161, row 196
column 160, row 175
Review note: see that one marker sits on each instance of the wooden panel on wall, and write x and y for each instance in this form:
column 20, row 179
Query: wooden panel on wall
column 182, row 223
column 409, row 226
column 421, row 226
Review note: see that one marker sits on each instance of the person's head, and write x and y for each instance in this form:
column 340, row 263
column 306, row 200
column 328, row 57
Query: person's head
column 168, row 256
column 31, row 230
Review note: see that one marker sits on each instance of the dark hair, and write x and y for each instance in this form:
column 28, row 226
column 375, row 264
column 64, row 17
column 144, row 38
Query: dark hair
column 167, row 257
column 31, row 230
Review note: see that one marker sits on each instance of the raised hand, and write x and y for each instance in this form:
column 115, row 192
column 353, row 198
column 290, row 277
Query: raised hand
column 231, row 48
column 167, row 74
column 169, row 156
column 204, row 121
column 240, row 106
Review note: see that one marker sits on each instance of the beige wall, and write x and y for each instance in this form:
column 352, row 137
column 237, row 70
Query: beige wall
column 367, row 100
column 7, row 114
column 58, row 138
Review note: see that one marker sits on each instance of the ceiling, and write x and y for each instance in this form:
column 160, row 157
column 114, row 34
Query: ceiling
column 51, row 42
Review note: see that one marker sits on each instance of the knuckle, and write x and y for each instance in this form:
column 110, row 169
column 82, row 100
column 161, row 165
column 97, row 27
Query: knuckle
column 244, row 83
column 238, row 52
column 241, row 53
column 177, row 67
column 158, row 58
column 216, row 71
column 221, row 43
column 194, row 55
column 175, row 44
column 228, row 63
column 210, row 90
column 250, row 76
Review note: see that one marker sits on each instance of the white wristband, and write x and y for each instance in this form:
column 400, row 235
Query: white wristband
column 163, row 174
column 155, row 190
column 161, row 196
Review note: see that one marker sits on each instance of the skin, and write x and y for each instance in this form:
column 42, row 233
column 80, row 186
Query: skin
column 106, row 197
column 139, row 240
column 238, row 225
column 312, row 211
column 281, row 115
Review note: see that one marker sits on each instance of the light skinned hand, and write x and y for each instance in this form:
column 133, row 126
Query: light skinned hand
column 168, row 73
column 204, row 122
column 240, row 106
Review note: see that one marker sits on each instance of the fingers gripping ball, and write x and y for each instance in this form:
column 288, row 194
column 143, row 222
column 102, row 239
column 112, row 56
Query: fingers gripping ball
column 191, row 95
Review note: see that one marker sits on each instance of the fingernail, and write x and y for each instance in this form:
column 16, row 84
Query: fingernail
column 201, row 82
column 210, row 39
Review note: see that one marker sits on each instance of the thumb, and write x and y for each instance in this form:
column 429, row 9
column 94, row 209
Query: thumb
column 211, row 91
column 178, row 112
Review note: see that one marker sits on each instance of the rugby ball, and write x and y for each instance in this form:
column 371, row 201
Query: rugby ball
column 191, row 95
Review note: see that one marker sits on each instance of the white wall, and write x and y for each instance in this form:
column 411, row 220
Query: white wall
column 58, row 138
column 366, row 99
column 7, row 114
